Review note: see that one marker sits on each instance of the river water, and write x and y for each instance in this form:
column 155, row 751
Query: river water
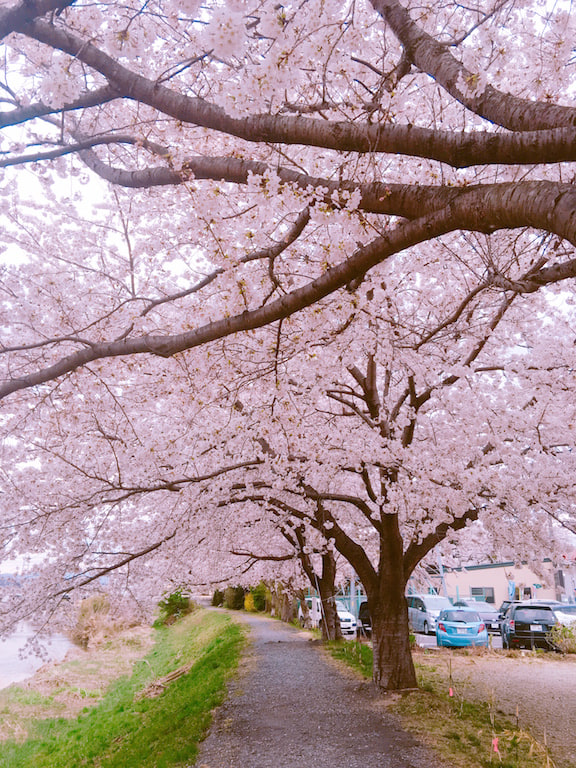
column 13, row 668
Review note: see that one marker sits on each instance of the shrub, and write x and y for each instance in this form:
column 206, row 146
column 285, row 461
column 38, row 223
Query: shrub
column 234, row 598
column 564, row 638
column 249, row 602
column 173, row 606
column 95, row 622
column 259, row 597
column 218, row 598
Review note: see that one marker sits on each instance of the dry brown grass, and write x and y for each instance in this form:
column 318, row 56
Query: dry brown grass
column 96, row 622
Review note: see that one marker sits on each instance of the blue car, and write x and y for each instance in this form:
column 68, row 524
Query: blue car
column 459, row 628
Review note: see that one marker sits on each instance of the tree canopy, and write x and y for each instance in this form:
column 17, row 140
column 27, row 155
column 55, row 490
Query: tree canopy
column 276, row 277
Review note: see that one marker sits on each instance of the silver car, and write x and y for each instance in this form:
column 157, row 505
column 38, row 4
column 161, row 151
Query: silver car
column 423, row 611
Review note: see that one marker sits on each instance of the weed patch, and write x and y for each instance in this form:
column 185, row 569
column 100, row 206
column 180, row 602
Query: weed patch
column 354, row 654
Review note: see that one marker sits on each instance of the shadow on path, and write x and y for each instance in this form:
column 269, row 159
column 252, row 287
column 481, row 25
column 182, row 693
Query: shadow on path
column 291, row 708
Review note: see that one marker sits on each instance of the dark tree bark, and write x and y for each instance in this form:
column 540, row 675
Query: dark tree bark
column 393, row 668
column 323, row 582
column 330, row 624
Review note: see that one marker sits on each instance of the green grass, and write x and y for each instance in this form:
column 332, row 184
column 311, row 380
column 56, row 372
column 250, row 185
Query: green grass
column 129, row 730
column 461, row 732
column 354, row 654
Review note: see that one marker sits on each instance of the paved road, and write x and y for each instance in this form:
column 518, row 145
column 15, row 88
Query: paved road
column 292, row 708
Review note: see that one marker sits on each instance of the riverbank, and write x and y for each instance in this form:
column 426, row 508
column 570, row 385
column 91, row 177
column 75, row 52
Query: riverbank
column 154, row 715
column 64, row 687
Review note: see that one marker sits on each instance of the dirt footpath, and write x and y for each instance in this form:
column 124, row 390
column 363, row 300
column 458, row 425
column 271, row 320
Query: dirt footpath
column 291, row 707
column 540, row 687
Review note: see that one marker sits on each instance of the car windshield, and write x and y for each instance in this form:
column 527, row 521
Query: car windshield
column 534, row 614
column 340, row 607
column 464, row 616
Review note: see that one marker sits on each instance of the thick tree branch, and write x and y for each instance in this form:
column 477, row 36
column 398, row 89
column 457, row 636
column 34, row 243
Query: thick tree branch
column 556, row 144
column 538, row 204
column 405, row 200
column 416, row 551
column 21, row 115
column 78, row 147
column 16, row 18
column 436, row 60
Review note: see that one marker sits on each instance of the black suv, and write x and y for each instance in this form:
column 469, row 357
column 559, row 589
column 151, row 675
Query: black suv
column 364, row 626
column 528, row 625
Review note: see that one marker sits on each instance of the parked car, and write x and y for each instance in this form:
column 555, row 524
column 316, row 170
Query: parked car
column 347, row 620
column 423, row 611
column 313, row 614
column 527, row 625
column 460, row 628
column 566, row 614
column 487, row 611
column 504, row 607
column 542, row 601
column 364, row 624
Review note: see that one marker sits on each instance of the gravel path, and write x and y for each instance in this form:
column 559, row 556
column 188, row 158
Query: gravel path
column 291, row 708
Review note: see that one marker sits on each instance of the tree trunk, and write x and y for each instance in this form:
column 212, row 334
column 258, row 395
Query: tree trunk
column 305, row 620
column 288, row 610
column 330, row 623
column 283, row 602
column 393, row 668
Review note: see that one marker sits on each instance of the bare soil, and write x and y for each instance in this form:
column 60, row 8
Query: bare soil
column 536, row 688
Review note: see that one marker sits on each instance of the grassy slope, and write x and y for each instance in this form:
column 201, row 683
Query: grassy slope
column 128, row 730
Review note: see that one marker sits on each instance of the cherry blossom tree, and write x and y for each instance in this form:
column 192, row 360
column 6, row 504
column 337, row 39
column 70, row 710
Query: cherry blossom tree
column 418, row 420
column 325, row 140
column 322, row 248
column 443, row 425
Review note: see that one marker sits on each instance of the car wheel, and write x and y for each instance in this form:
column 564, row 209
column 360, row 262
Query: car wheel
column 426, row 628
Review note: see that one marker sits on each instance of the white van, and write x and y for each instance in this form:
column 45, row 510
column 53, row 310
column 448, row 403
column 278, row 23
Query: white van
column 423, row 611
